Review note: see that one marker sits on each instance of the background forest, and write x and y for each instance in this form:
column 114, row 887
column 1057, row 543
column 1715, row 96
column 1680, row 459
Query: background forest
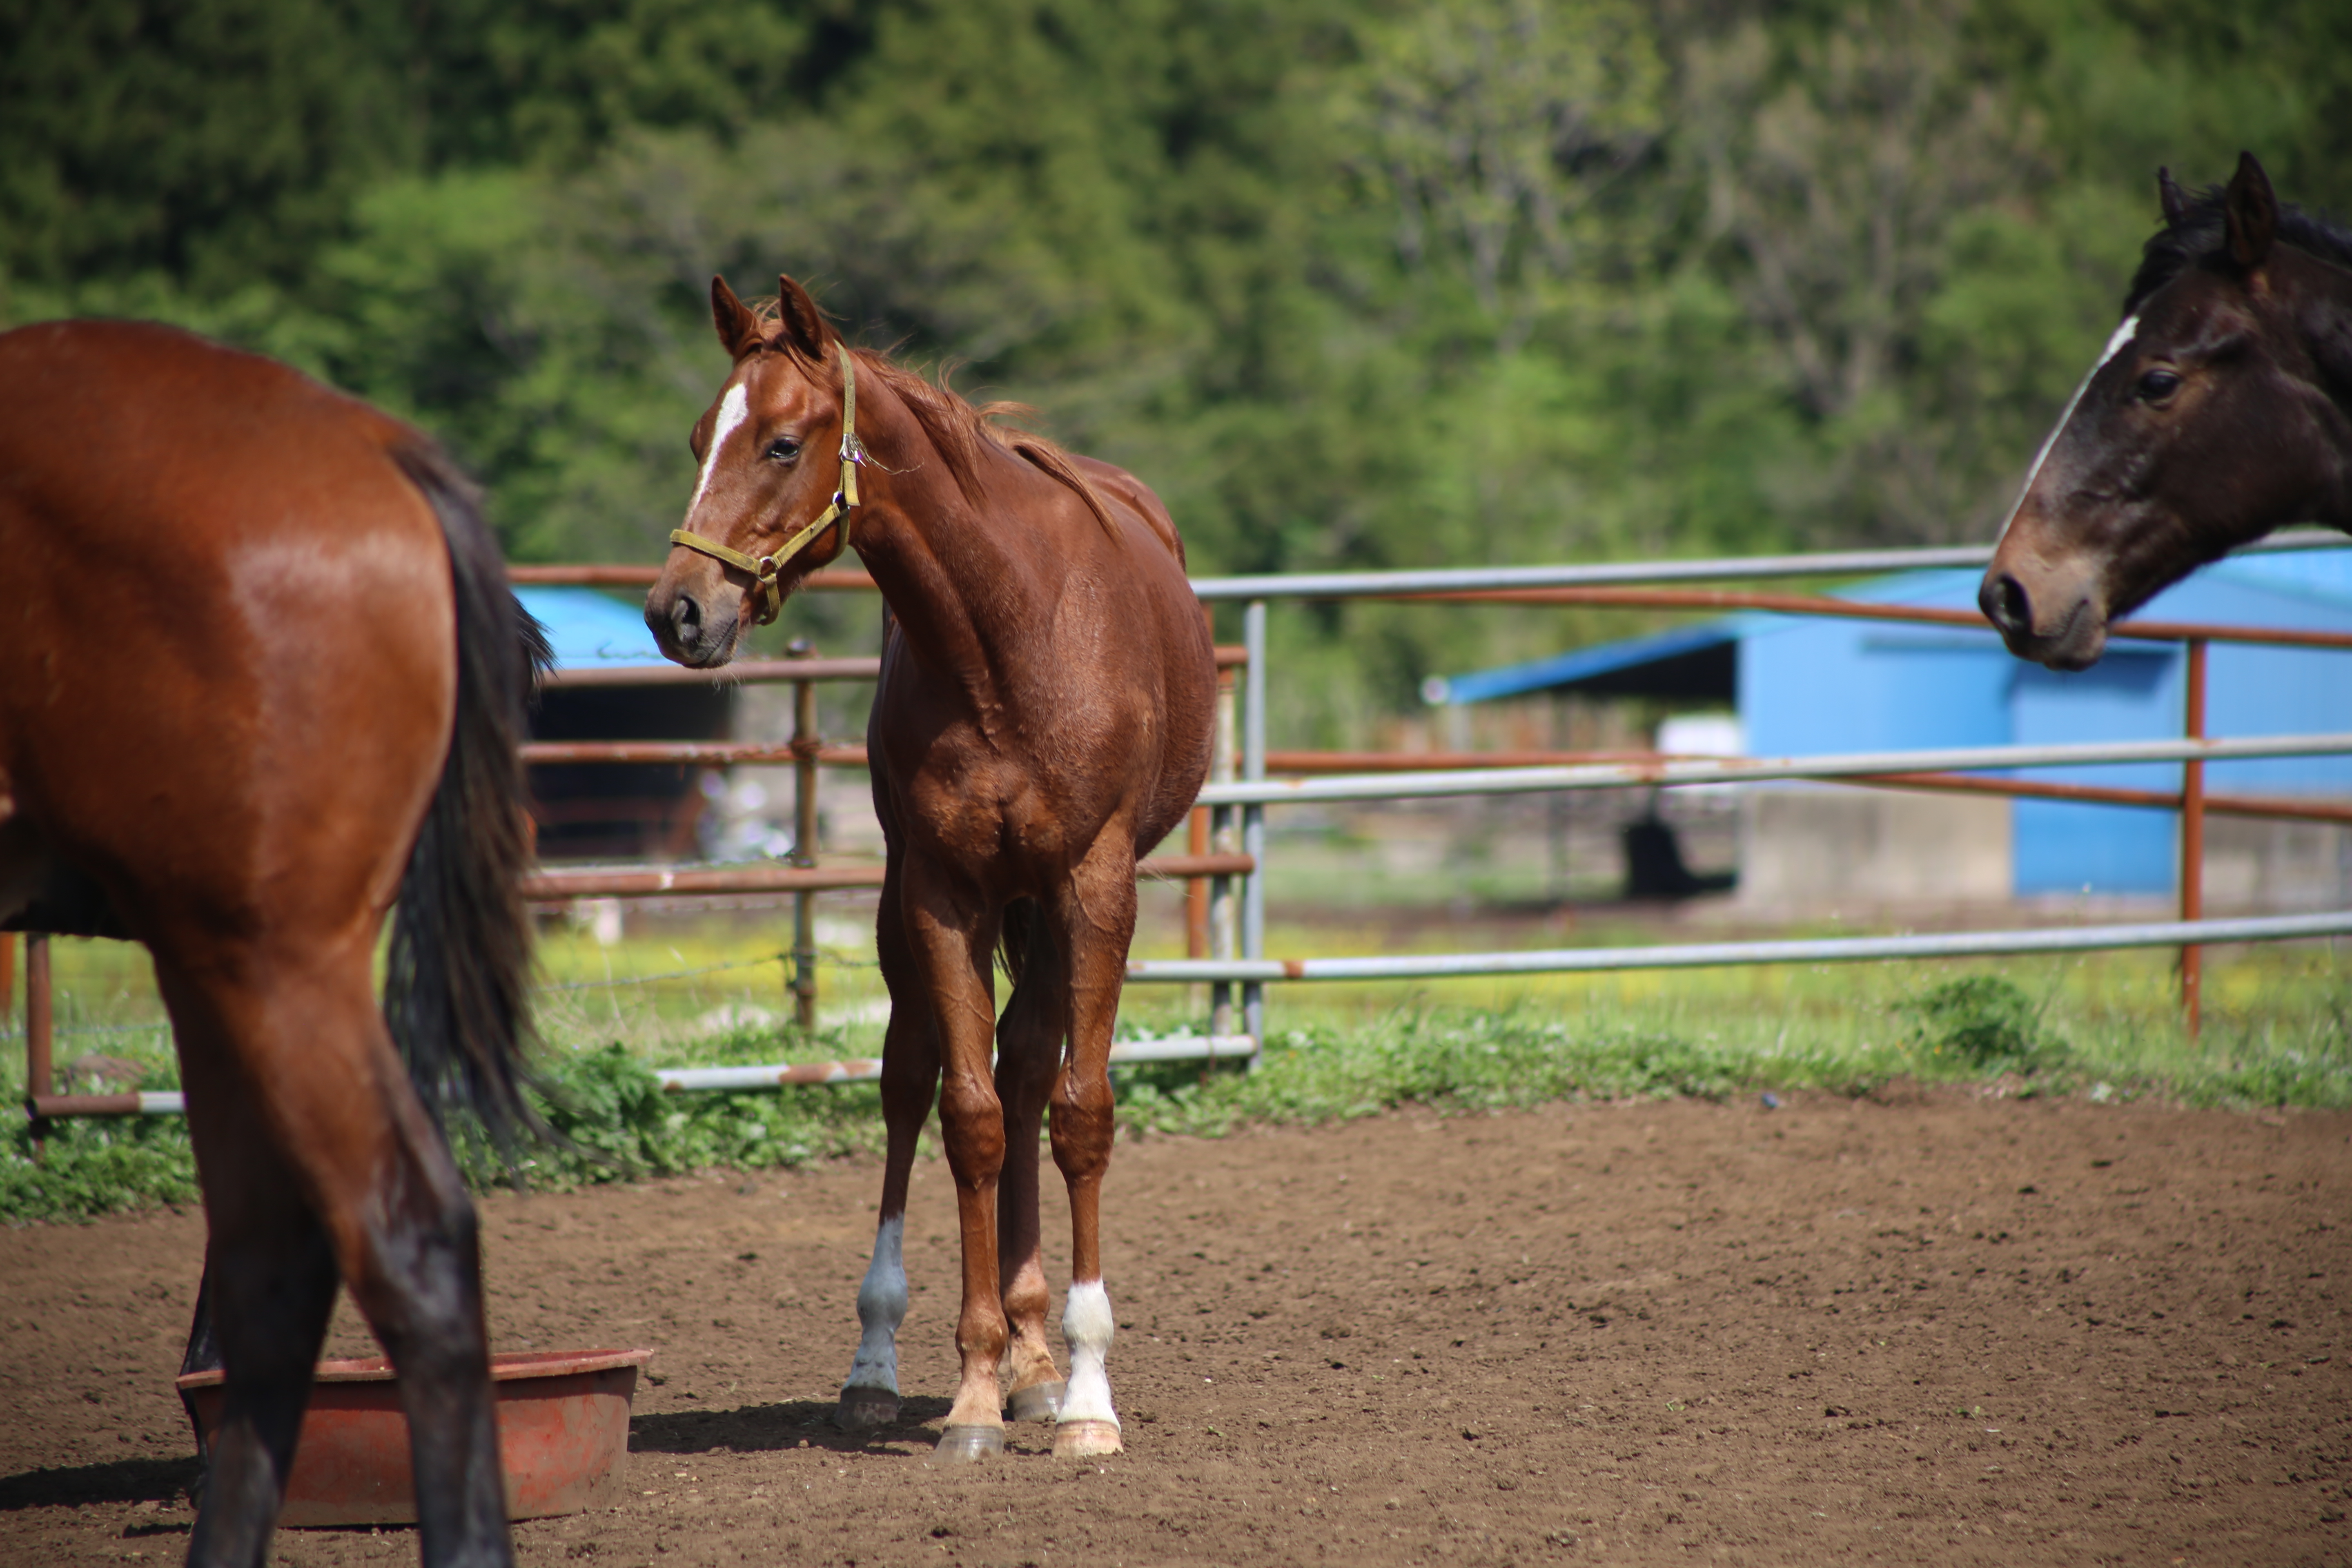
column 1351, row 282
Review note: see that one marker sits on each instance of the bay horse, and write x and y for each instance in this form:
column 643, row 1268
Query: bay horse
column 1042, row 718
column 2221, row 409
column 261, row 675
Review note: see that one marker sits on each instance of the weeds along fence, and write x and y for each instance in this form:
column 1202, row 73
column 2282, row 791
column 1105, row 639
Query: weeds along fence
column 1224, row 864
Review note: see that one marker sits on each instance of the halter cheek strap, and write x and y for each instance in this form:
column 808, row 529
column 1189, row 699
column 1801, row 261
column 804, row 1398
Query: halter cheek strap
column 769, row 598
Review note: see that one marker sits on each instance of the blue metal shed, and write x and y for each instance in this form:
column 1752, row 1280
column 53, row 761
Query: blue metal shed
column 589, row 629
column 616, row 811
column 1806, row 687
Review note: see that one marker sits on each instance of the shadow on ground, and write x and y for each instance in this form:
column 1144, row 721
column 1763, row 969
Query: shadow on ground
column 124, row 1480
column 762, row 1428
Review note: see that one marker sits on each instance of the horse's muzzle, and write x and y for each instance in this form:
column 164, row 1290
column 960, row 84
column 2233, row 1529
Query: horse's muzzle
column 2074, row 642
column 694, row 624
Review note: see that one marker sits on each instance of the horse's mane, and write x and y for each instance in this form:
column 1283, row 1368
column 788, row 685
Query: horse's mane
column 961, row 432
column 2203, row 231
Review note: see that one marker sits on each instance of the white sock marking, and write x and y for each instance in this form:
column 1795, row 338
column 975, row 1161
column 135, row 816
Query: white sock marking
column 881, row 1307
column 2124, row 334
column 1086, row 1325
column 733, row 409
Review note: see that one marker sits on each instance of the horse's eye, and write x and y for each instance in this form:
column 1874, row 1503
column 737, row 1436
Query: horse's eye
column 784, row 449
column 2155, row 385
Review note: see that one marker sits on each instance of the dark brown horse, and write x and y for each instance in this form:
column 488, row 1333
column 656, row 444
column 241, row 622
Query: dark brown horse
column 261, row 674
column 2221, row 409
column 1042, row 718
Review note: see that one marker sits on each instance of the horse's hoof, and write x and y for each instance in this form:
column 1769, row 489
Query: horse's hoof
column 963, row 1445
column 1086, row 1439
column 1038, row 1402
column 863, row 1409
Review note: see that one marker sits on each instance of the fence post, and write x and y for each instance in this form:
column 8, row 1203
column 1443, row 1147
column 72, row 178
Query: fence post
column 1253, row 821
column 8, row 970
column 39, row 1020
column 1224, row 929
column 804, row 748
column 1196, row 842
column 2192, row 844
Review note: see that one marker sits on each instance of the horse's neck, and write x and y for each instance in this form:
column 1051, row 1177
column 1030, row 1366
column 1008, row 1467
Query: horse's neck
column 967, row 583
column 2322, row 315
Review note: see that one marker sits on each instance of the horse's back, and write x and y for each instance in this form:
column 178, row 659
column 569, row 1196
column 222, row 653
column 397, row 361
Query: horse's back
column 222, row 589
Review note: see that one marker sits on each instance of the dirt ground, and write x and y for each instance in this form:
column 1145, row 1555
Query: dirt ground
column 1931, row 1329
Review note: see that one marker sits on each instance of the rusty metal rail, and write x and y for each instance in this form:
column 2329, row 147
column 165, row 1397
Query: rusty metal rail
column 691, row 881
column 1834, row 608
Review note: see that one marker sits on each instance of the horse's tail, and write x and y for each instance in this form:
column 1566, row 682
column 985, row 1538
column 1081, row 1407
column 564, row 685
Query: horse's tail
column 1021, row 925
column 456, row 994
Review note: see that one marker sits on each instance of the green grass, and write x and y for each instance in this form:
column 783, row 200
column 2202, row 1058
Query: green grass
column 2278, row 1031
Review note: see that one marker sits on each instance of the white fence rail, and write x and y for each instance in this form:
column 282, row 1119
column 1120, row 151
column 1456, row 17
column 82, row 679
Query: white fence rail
column 1715, row 955
column 1757, row 770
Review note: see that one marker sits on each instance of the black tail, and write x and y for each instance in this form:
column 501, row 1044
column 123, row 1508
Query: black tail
column 457, row 991
column 1024, row 925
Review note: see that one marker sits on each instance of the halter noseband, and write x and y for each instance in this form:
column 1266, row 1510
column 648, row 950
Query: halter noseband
column 764, row 569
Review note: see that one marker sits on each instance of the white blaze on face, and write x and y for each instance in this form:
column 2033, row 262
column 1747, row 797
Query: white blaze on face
column 733, row 409
column 1087, row 1326
column 2116, row 345
column 881, row 1307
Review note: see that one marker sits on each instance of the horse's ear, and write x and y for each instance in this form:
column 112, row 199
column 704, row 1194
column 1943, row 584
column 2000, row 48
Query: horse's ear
column 739, row 328
column 2175, row 200
column 2253, row 213
column 803, row 322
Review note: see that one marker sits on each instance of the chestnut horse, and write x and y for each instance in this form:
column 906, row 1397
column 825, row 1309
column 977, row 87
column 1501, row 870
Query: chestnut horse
column 2221, row 409
column 261, row 673
column 1042, row 718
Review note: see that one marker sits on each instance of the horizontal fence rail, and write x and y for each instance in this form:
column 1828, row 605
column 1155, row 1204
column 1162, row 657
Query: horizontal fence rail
column 751, row 671
column 601, row 882
column 867, row 1070
column 1745, row 770
column 705, row 1080
column 1858, row 610
column 1447, row 580
column 1717, row 954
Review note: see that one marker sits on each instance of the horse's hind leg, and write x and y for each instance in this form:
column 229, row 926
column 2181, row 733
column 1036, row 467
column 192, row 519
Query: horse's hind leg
column 272, row 1284
column 1028, row 1049
column 1095, row 917
column 318, row 1158
column 911, row 1076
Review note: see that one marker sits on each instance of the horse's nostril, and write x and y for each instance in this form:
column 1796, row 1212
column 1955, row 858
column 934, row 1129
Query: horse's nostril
column 2005, row 604
column 686, row 616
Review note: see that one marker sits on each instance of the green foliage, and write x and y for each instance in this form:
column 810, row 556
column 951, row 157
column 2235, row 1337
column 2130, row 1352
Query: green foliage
column 215, row 145
column 614, row 1122
column 1980, row 1021
column 87, row 1168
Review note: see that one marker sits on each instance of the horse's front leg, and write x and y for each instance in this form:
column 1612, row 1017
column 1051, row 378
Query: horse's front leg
column 911, row 1076
column 1096, row 921
column 951, row 933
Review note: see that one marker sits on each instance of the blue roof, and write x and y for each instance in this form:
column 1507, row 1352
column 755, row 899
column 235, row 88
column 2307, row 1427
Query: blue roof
column 2322, row 577
column 1582, row 664
column 591, row 630
column 2324, row 574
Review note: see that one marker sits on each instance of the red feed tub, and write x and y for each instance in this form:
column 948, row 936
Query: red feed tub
column 563, row 1433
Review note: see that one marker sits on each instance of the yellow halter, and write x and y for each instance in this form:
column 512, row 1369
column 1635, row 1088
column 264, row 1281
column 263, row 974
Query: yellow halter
column 764, row 569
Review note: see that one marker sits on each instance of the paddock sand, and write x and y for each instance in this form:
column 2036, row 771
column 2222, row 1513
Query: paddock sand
column 1931, row 1328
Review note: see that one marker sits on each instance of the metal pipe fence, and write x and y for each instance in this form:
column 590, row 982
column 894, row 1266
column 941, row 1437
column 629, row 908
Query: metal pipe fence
column 1224, row 864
